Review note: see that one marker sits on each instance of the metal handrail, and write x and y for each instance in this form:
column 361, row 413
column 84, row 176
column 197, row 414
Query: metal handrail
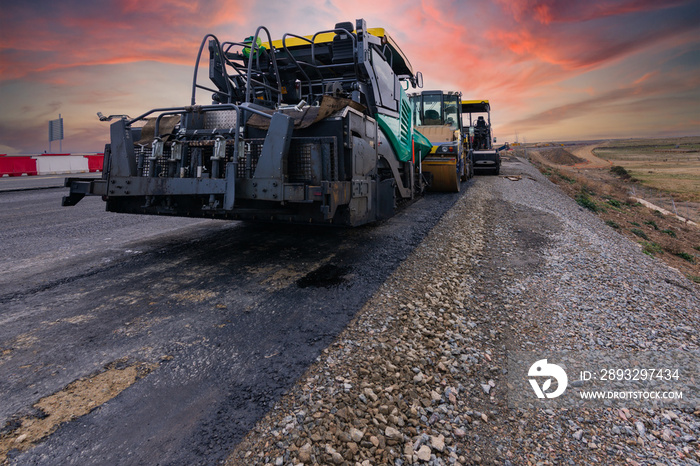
column 337, row 31
column 196, row 69
column 226, row 46
column 255, row 56
column 313, row 65
column 247, row 75
column 254, row 47
column 354, row 49
column 286, row 50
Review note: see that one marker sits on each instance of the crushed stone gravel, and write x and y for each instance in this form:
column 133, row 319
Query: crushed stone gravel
column 419, row 375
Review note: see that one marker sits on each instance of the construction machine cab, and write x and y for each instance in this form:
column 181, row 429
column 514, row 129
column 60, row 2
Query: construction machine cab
column 349, row 61
column 438, row 117
column 435, row 108
column 480, row 128
column 477, row 115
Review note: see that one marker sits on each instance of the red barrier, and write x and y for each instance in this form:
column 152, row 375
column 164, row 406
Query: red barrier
column 17, row 166
column 95, row 162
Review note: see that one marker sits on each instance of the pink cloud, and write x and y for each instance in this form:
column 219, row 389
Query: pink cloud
column 635, row 97
column 566, row 11
column 645, row 77
column 523, row 55
column 70, row 34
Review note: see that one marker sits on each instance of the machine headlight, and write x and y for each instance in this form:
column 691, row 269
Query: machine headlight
column 446, row 149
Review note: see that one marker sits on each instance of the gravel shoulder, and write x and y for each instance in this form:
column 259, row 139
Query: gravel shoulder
column 419, row 375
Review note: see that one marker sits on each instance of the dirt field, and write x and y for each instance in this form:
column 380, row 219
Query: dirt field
column 663, row 172
column 670, row 165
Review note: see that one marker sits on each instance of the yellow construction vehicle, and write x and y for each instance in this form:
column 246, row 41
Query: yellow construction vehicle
column 486, row 158
column 438, row 117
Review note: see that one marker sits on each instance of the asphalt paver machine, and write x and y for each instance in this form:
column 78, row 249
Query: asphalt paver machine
column 303, row 129
column 486, row 158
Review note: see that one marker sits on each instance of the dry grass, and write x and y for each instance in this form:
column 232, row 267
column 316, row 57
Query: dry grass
column 607, row 195
column 669, row 165
column 681, row 179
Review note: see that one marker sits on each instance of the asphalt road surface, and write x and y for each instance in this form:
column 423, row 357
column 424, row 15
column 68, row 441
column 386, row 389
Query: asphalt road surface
column 24, row 183
column 220, row 318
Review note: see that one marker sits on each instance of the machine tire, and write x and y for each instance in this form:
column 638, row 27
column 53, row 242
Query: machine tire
column 464, row 173
column 446, row 178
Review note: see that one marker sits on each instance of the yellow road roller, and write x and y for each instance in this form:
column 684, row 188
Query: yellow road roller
column 438, row 117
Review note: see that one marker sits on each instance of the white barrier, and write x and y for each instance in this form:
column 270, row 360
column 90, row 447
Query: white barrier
column 57, row 164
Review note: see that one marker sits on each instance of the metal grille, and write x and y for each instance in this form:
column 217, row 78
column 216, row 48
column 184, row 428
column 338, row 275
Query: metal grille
column 143, row 153
column 334, row 160
column 405, row 124
column 299, row 162
column 253, row 149
column 301, row 165
column 163, row 164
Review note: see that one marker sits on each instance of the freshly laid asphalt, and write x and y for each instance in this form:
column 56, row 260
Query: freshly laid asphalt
column 230, row 315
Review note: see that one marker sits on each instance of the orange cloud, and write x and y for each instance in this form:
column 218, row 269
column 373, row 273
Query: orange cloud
column 645, row 77
column 72, row 33
column 566, row 11
column 548, row 59
column 637, row 97
column 543, row 14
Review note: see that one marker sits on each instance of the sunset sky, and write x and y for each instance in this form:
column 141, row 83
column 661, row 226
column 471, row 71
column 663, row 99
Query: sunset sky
column 552, row 69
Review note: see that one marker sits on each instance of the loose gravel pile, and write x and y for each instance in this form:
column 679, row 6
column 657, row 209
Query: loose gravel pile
column 560, row 156
column 419, row 376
